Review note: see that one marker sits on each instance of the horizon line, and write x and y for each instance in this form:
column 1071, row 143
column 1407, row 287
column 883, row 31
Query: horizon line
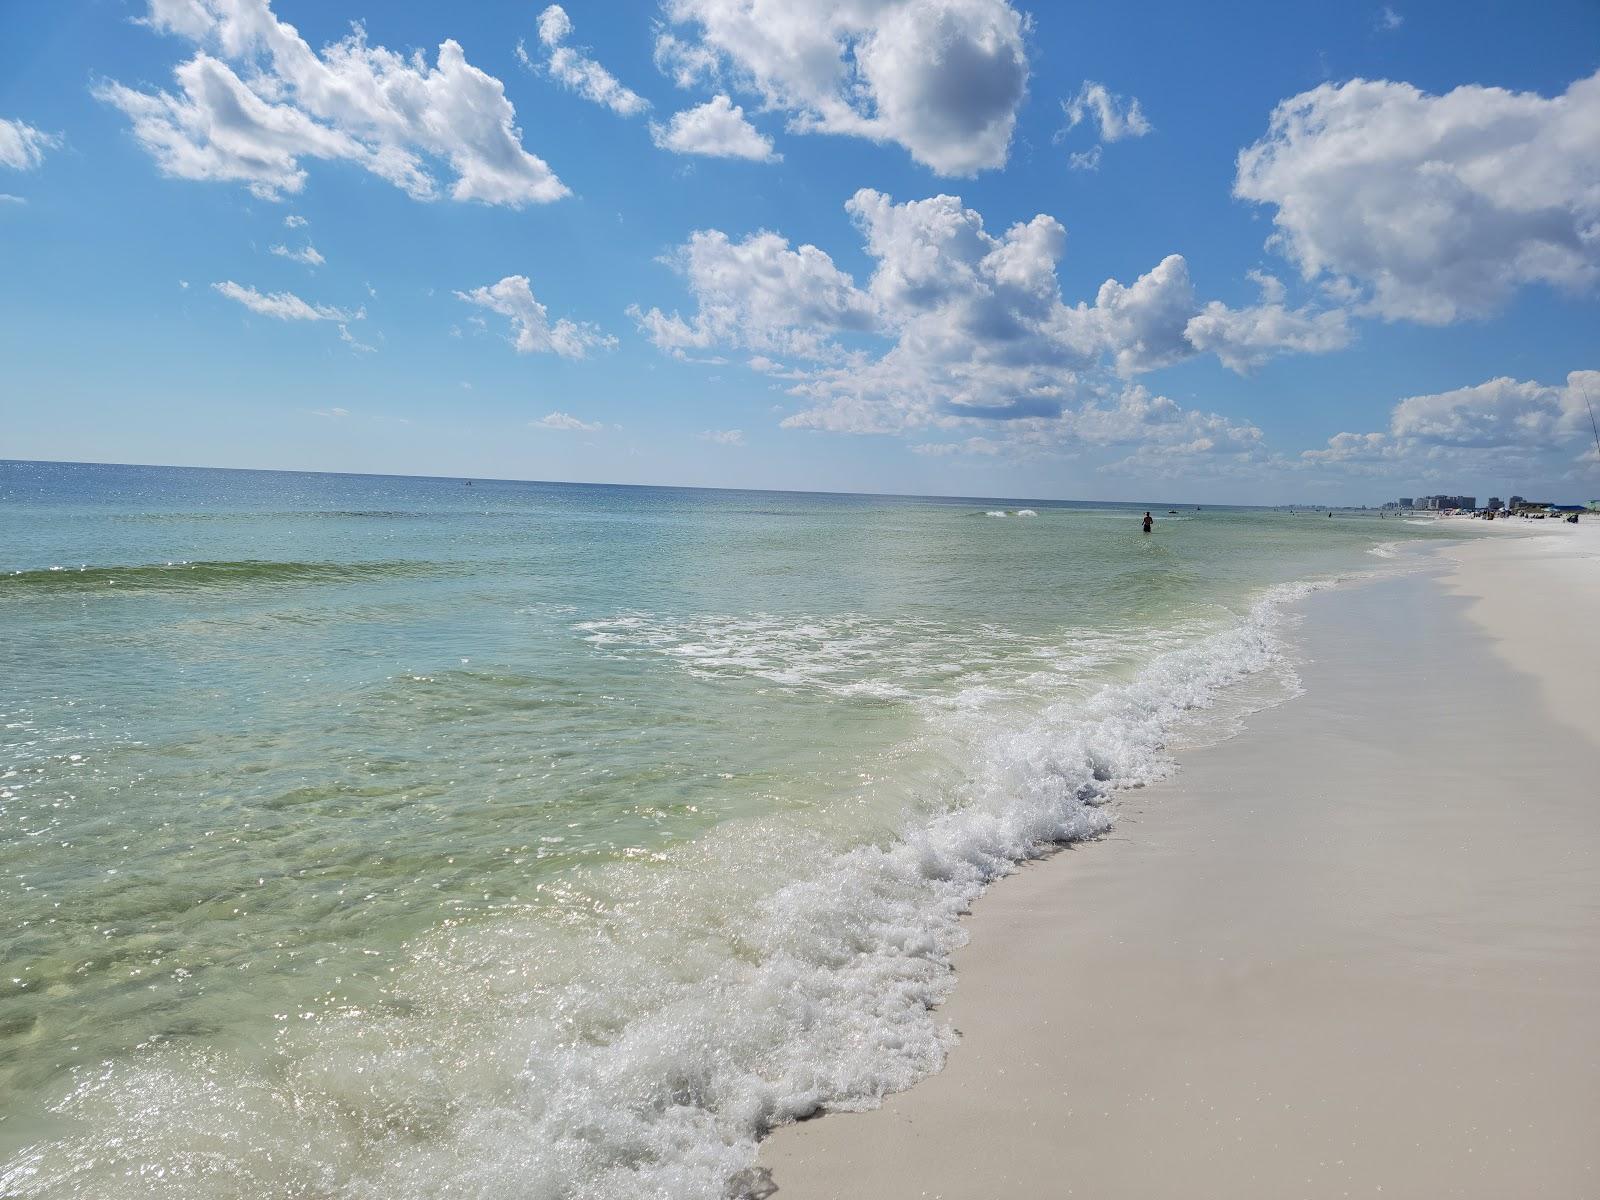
column 684, row 487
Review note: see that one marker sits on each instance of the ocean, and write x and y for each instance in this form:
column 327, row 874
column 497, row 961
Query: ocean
column 395, row 838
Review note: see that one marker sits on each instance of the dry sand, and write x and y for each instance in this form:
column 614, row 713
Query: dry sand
column 1354, row 951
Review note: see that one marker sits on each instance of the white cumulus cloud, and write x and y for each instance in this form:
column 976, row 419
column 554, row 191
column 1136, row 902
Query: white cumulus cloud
column 1144, row 324
column 1244, row 338
column 532, row 332
column 1498, row 426
column 717, row 128
column 759, row 295
column 1432, row 208
column 954, row 325
column 22, row 146
column 723, row 437
column 391, row 114
column 942, row 78
column 1500, row 412
column 575, row 70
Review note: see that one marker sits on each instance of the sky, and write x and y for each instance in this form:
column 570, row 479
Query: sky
column 1322, row 253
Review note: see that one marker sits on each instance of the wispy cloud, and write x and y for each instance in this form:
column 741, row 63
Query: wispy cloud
column 1117, row 117
column 577, row 71
column 283, row 306
column 1086, row 160
column 306, row 254
column 350, row 340
column 723, row 437
column 567, row 423
column 22, row 146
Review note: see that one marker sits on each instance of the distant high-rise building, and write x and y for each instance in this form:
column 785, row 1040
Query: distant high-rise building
column 1494, row 504
column 1514, row 503
column 1407, row 502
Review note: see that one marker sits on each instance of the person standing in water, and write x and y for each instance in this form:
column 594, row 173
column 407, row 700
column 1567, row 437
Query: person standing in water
column 1148, row 521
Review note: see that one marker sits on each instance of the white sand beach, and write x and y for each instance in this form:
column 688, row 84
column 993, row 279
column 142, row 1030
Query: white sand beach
column 1353, row 951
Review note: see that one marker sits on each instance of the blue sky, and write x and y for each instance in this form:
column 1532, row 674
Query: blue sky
column 836, row 244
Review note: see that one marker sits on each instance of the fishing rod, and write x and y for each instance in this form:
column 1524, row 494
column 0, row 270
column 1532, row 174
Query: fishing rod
column 1590, row 405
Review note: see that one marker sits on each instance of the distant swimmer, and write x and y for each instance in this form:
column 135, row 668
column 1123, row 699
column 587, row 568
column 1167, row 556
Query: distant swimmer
column 1148, row 522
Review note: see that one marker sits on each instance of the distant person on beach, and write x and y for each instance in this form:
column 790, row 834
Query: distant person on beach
column 1148, row 521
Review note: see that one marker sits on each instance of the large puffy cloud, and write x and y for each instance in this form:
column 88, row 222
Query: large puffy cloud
column 718, row 129
column 22, row 146
column 943, row 78
column 573, row 69
column 1144, row 323
column 1433, row 207
column 955, row 324
column 530, row 321
column 391, row 114
column 1490, row 426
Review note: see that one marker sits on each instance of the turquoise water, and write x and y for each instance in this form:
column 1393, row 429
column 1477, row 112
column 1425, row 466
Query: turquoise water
column 367, row 836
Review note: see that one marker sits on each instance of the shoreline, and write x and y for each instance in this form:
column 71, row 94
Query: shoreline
column 1354, row 950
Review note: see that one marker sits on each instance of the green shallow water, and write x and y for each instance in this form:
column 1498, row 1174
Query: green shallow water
column 276, row 748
